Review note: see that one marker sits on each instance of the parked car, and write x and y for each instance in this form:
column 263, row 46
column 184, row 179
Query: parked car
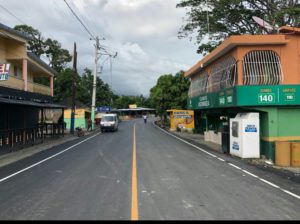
column 109, row 122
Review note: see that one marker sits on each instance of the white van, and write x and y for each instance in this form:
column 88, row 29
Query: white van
column 109, row 122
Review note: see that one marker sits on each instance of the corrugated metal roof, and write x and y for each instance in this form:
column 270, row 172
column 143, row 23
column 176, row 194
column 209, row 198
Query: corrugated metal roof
column 41, row 62
column 136, row 109
column 15, row 32
column 31, row 103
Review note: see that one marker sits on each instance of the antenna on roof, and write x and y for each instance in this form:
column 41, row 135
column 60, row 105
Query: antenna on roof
column 265, row 25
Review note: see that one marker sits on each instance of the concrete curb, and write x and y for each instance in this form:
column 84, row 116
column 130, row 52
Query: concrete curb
column 255, row 162
column 12, row 157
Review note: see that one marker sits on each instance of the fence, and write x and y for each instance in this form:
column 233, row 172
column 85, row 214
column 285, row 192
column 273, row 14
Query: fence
column 16, row 139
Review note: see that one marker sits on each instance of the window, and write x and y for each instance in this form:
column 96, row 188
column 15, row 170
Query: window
column 198, row 85
column 262, row 68
column 223, row 74
column 15, row 71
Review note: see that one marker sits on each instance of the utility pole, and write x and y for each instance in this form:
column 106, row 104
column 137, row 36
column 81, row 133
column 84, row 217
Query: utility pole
column 97, row 48
column 73, row 90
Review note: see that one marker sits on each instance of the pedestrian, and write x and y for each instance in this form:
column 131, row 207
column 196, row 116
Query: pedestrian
column 89, row 124
column 145, row 118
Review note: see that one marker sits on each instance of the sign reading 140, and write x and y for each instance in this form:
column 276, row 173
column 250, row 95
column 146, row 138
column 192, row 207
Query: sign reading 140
column 266, row 98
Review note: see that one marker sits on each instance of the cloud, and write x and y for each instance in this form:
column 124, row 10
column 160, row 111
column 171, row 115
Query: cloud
column 143, row 32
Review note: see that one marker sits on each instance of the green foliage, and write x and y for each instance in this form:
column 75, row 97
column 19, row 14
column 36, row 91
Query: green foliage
column 36, row 45
column 63, row 85
column 231, row 17
column 170, row 92
column 58, row 56
column 124, row 101
column 84, row 88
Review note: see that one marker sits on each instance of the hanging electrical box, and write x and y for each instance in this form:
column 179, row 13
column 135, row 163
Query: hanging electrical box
column 244, row 135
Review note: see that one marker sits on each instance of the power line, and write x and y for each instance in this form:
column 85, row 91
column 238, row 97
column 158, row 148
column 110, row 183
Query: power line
column 92, row 36
column 12, row 14
column 85, row 18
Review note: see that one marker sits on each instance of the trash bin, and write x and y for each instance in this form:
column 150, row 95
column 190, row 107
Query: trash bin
column 225, row 142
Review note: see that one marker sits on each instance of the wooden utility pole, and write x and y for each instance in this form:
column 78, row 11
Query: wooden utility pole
column 97, row 48
column 73, row 90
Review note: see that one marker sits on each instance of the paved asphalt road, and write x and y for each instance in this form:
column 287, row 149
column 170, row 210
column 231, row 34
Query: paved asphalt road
column 141, row 172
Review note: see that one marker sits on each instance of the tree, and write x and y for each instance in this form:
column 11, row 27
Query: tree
column 125, row 101
column 104, row 95
column 231, row 17
column 63, row 85
column 36, row 44
column 170, row 92
column 58, row 56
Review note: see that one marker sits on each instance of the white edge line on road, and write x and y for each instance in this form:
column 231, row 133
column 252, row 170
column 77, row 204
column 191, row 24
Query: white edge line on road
column 27, row 168
column 251, row 174
column 290, row 193
column 202, row 150
column 234, row 166
column 267, row 182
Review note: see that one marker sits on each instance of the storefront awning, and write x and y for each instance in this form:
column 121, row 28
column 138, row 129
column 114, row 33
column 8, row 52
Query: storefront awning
column 31, row 103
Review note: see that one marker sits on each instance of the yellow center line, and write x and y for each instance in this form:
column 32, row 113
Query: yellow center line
column 134, row 194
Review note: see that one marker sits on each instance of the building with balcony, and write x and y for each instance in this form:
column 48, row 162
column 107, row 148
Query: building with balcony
column 26, row 92
column 250, row 73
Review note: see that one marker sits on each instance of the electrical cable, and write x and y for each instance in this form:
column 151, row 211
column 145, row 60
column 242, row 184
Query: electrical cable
column 92, row 36
column 12, row 14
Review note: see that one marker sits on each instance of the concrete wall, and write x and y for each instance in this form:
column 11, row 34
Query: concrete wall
column 278, row 124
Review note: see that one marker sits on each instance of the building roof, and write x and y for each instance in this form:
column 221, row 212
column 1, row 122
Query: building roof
column 240, row 40
column 136, row 109
column 15, row 32
column 68, row 103
column 31, row 103
column 26, row 38
column 289, row 30
column 41, row 62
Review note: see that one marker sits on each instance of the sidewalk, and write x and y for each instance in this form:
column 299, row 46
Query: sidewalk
column 199, row 139
column 48, row 143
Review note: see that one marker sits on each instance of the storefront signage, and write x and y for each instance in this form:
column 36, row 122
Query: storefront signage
column 203, row 101
column 132, row 106
column 266, row 98
column 277, row 95
column 182, row 114
column 103, row 109
column 251, row 128
column 235, row 146
column 4, row 71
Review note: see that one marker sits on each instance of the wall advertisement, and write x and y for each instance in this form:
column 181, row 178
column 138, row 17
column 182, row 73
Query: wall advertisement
column 181, row 119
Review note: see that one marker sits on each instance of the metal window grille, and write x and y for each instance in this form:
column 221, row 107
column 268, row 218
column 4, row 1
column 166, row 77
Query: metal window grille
column 198, row 85
column 223, row 74
column 262, row 68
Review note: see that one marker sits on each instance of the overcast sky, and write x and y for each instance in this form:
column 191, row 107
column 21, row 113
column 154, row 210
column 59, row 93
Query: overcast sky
column 143, row 32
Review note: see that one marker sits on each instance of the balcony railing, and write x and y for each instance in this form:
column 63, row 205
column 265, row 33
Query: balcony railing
column 17, row 83
column 38, row 88
column 13, row 82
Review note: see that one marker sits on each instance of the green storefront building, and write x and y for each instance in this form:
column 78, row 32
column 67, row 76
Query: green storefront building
column 251, row 73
